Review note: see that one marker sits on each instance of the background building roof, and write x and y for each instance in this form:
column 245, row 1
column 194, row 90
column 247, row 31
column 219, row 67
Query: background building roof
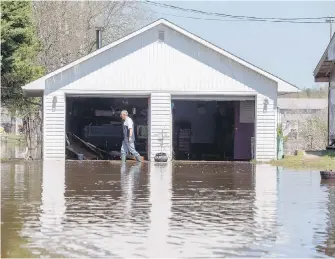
column 302, row 103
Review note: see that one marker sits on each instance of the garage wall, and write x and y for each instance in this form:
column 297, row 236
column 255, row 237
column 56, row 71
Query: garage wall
column 331, row 126
column 266, row 128
column 54, row 125
column 331, row 49
column 161, row 124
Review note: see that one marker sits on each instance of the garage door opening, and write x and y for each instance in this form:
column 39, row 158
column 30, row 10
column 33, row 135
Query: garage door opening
column 213, row 130
column 94, row 126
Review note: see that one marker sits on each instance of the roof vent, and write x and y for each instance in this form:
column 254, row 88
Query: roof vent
column 98, row 40
column 161, row 36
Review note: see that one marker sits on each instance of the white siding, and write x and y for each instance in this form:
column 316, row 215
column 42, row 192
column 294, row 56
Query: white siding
column 161, row 123
column 54, row 126
column 266, row 129
column 177, row 65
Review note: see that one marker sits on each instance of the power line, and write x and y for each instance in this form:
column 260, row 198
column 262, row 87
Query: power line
column 234, row 16
column 229, row 20
column 243, row 18
column 199, row 18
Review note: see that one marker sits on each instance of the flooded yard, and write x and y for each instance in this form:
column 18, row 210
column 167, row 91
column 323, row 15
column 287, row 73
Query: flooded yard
column 12, row 151
column 103, row 209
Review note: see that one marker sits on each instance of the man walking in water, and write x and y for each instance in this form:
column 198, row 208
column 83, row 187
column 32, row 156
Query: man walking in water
column 128, row 143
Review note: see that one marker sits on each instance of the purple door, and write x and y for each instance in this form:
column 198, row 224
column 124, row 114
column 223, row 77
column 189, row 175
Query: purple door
column 242, row 137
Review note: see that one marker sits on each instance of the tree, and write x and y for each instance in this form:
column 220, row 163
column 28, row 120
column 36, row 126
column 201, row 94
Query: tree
column 313, row 131
column 57, row 33
column 67, row 28
column 318, row 92
column 19, row 49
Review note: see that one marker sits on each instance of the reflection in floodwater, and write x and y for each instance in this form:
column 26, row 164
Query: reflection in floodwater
column 328, row 247
column 301, row 213
column 12, row 150
column 160, row 209
column 129, row 181
column 265, row 184
column 20, row 200
column 53, row 206
column 102, row 209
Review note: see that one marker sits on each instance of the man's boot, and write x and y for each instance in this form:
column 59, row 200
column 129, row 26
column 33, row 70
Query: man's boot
column 123, row 158
column 138, row 159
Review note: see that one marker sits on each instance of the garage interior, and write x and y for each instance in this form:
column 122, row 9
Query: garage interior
column 202, row 130
column 213, row 130
column 94, row 126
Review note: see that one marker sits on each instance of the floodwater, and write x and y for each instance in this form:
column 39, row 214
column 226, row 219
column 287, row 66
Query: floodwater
column 103, row 209
column 12, row 150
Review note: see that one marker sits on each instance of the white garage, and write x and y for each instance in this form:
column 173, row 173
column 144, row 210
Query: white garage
column 158, row 74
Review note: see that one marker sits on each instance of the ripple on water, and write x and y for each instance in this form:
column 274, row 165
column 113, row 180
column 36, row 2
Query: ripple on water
column 184, row 210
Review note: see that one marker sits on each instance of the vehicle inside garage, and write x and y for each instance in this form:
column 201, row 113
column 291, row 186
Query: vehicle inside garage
column 213, row 130
column 94, row 126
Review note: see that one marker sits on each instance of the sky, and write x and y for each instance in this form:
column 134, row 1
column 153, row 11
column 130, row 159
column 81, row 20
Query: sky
column 289, row 51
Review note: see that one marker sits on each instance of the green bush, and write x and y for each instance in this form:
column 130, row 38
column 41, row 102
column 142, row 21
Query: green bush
column 280, row 133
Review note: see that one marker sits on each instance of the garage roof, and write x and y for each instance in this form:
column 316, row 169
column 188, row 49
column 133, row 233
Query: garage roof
column 38, row 85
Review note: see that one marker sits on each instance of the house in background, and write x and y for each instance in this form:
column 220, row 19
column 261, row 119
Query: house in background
column 325, row 72
column 293, row 111
column 293, row 114
column 159, row 69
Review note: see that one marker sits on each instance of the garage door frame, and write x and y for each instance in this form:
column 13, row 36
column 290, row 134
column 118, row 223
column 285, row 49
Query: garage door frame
column 118, row 95
column 221, row 97
column 212, row 97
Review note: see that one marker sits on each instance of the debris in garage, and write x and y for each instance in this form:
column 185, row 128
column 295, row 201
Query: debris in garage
column 76, row 149
column 96, row 125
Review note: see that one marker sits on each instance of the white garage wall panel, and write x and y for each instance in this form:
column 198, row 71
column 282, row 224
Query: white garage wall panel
column 179, row 64
column 160, row 128
column 266, row 129
column 54, row 126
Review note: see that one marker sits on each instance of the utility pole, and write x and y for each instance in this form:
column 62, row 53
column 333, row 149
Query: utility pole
column 330, row 21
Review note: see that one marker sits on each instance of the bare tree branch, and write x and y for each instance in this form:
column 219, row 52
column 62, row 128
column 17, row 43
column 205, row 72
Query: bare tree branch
column 67, row 28
column 28, row 100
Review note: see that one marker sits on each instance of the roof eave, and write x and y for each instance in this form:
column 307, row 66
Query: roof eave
column 321, row 61
column 324, row 71
column 325, row 64
column 286, row 88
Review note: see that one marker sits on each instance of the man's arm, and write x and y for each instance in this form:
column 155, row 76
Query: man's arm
column 131, row 131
